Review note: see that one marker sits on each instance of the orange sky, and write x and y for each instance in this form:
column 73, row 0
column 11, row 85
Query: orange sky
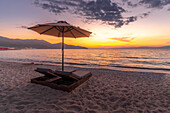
column 150, row 31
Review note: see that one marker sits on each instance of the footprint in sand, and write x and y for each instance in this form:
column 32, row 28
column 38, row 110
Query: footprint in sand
column 20, row 107
column 74, row 108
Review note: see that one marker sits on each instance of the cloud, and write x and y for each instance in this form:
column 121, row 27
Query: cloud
column 130, row 3
column 110, row 12
column 155, row 3
column 24, row 27
column 148, row 3
column 103, row 10
column 124, row 39
column 145, row 14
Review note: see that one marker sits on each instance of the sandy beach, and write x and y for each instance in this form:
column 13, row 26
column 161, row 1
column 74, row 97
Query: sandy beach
column 107, row 91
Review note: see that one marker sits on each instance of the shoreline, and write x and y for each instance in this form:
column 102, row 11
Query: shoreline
column 116, row 68
column 107, row 91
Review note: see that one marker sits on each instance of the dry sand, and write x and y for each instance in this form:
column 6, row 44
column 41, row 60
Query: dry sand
column 107, row 91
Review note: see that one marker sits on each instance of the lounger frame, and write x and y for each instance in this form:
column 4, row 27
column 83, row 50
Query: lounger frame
column 52, row 82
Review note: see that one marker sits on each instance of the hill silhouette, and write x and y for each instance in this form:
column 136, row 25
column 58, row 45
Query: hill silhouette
column 147, row 47
column 33, row 43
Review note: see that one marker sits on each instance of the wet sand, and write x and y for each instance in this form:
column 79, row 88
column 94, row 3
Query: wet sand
column 107, row 91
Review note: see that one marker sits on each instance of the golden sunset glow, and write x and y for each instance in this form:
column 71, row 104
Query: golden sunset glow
column 150, row 31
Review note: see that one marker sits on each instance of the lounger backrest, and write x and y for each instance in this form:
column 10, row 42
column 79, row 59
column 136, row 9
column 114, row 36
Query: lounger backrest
column 65, row 74
column 77, row 75
column 43, row 70
column 47, row 72
column 81, row 74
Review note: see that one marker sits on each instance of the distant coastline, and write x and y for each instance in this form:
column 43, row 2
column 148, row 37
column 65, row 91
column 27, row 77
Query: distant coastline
column 6, row 43
column 142, row 47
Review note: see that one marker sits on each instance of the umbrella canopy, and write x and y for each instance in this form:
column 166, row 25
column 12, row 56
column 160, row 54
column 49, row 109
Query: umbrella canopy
column 61, row 29
column 56, row 29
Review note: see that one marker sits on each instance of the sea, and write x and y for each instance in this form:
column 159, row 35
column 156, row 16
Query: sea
column 121, row 59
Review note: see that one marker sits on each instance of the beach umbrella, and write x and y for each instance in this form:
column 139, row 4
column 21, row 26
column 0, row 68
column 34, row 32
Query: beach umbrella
column 61, row 29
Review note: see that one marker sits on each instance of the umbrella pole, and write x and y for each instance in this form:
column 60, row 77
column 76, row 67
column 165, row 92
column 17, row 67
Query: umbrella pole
column 62, row 51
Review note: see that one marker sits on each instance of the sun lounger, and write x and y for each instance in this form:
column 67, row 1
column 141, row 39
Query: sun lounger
column 62, row 80
column 47, row 72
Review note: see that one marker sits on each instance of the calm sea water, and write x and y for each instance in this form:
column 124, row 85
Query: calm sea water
column 150, row 59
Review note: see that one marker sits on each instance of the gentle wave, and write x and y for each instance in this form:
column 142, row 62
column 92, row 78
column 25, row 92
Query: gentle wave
column 81, row 64
column 141, row 58
column 163, row 69
column 148, row 59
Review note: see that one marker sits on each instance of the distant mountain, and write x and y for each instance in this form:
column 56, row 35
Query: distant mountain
column 58, row 45
column 166, row 47
column 33, row 43
column 146, row 47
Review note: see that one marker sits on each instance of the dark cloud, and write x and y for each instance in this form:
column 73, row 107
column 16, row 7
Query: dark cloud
column 55, row 6
column 155, row 3
column 124, row 39
column 145, row 15
column 152, row 3
column 103, row 10
column 25, row 27
column 107, row 11
column 130, row 3
column 123, row 22
column 147, row 3
column 130, row 19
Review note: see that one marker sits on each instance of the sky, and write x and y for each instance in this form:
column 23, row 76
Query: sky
column 113, row 23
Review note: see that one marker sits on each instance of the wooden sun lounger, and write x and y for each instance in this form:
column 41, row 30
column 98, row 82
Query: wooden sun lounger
column 66, row 81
